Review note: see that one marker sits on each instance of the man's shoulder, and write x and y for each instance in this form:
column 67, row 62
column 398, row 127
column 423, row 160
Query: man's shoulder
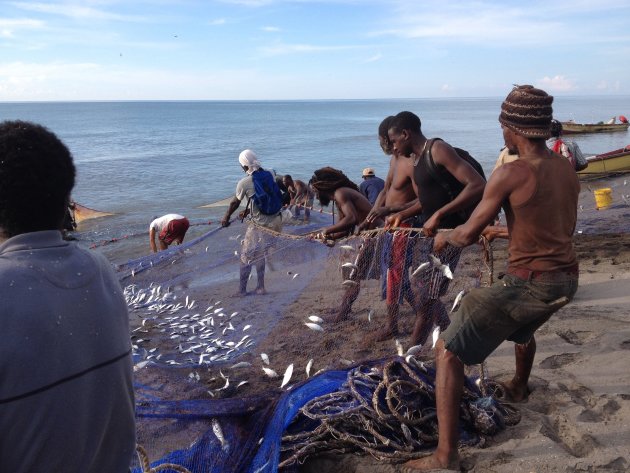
column 244, row 182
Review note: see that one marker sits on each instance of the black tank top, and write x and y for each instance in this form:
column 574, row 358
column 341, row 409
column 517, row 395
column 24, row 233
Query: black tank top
column 433, row 196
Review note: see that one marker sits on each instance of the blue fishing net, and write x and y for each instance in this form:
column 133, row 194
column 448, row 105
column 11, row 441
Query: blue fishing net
column 221, row 378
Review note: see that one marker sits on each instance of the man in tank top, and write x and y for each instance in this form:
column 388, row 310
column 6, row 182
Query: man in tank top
column 539, row 193
column 438, row 209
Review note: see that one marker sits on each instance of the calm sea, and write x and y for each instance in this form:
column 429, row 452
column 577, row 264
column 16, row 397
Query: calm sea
column 142, row 159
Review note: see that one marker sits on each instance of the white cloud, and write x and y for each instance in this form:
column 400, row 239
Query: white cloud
column 374, row 58
column 446, row 88
column 270, row 29
column 478, row 22
column 284, row 49
column 75, row 11
column 218, row 22
column 557, row 84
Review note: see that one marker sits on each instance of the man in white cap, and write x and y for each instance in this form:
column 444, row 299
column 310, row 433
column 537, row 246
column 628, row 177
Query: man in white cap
column 264, row 203
column 371, row 186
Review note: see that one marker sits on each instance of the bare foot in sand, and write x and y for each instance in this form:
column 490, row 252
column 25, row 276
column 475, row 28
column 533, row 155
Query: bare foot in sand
column 509, row 392
column 381, row 335
column 260, row 291
column 431, row 463
column 334, row 316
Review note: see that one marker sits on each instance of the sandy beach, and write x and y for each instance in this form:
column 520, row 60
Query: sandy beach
column 577, row 418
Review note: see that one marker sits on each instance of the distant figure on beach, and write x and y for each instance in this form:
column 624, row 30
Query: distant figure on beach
column 169, row 228
column 286, row 197
column 66, row 396
column 371, row 186
column 301, row 195
column 448, row 187
column 566, row 148
column 264, row 204
column 539, row 194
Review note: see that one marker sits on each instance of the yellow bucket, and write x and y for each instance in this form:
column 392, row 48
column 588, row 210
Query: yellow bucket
column 603, row 197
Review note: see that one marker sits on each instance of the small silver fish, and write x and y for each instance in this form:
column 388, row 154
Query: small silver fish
column 420, row 268
column 350, row 265
column 295, row 275
column 140, row 365
column 347, row 247
column 309, row 365
column 216, row 428
column 265, row 358
column 446, row 271
column 414, row 350
column 314, row 327
column 269, row 372
column 314, row 318
column 246, row 327
column 287, row 376
column 458, row 298
column 242, row 364
column 370, row 314
column 399, row 348
column 436, row 334
column 349, row 282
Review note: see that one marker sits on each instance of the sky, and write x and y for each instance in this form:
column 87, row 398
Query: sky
column 308, row 49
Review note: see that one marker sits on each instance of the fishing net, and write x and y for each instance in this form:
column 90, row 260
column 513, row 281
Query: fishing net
column 257, row 382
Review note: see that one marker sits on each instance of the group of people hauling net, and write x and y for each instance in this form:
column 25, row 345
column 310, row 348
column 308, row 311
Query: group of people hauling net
column 211, row 388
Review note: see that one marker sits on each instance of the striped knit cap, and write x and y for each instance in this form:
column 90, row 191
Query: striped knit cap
column 527, row 111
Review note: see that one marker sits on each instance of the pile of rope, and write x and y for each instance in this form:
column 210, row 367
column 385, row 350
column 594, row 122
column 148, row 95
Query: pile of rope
column 387, row 409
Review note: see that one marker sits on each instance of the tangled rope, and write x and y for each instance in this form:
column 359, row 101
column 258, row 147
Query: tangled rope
column 143, row 458
column 388, row 410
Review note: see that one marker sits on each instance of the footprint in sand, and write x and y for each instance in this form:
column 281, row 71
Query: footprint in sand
column 562, row 431
column 625, row 345
column 558, row 361
column 617, row 465
column 574, row 338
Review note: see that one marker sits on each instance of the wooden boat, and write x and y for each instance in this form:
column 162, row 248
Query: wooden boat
column 613, row 162
column 569, row 128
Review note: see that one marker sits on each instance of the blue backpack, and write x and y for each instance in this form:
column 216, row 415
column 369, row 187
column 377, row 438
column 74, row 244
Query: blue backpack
column 267, row 196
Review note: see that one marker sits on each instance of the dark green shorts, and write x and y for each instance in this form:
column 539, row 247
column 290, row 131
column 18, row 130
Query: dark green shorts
column 511, row 309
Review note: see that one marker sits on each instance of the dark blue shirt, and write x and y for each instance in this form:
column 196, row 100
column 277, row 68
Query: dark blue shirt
column 371, row 188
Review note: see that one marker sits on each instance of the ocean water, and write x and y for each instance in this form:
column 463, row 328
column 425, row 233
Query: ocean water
column 143, row 159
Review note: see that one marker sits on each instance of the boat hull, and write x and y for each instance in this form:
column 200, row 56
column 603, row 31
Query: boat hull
column 569, row 128
column 609, row 163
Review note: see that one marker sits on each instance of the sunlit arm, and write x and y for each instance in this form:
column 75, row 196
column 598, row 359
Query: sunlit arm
column 235, row 204
column 152, row 240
